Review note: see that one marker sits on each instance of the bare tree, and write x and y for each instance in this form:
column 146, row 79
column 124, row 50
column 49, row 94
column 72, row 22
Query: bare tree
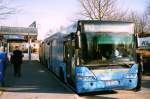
column 148, row 9
column 143, row 23
column 101, row 9
column 147, row 12
column 140, row 22
column 5, row 11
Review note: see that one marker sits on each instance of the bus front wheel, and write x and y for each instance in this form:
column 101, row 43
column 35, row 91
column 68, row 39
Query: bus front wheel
column 139, row 83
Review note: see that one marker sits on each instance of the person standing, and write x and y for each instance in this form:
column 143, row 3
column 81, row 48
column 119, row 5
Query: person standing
column 3, row 60
column 16, row 60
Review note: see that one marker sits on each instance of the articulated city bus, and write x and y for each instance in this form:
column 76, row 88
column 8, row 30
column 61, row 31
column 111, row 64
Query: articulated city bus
column 94, row 55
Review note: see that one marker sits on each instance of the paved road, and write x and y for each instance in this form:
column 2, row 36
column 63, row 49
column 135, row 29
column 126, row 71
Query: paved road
column 38, row 83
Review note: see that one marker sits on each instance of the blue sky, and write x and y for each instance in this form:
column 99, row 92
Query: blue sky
column 51, row 14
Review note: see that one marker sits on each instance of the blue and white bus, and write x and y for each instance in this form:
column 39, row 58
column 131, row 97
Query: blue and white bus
column 93, row 55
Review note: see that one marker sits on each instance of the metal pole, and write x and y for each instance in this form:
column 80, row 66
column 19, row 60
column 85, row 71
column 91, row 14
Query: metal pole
column 29, row 48
column 8, row 48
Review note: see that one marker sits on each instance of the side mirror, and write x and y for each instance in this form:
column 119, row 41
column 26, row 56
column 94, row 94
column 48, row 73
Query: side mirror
column 78, row 40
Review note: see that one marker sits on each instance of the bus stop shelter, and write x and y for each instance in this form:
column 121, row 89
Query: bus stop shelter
column 17, row 34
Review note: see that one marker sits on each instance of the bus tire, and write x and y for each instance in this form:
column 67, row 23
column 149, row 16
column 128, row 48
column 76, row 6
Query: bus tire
column 139, row 83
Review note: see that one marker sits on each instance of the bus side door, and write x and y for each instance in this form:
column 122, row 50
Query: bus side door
column 69, row 58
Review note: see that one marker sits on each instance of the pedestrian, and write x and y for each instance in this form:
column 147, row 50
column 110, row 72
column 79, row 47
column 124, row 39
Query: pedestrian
column 16, row 60
column 140, row 71
column 3, row 60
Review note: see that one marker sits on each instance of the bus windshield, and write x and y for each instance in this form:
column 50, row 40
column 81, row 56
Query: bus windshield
column 107, row 48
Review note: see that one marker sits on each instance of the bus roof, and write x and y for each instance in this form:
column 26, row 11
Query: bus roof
column 105, row 26
column 105, row 21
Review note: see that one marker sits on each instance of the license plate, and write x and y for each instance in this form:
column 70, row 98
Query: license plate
column 112, row 83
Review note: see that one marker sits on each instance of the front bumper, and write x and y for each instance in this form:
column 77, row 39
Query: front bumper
column 92, row 86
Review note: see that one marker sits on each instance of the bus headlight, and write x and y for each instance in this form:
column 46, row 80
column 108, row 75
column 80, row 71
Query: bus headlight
column 131, row 76
column 84, row 74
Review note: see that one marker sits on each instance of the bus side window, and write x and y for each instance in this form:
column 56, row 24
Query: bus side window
column 65, row 51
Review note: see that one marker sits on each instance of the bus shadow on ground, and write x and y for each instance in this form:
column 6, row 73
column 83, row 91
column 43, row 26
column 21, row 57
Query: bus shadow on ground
column 35, row 79
column 97, row 95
